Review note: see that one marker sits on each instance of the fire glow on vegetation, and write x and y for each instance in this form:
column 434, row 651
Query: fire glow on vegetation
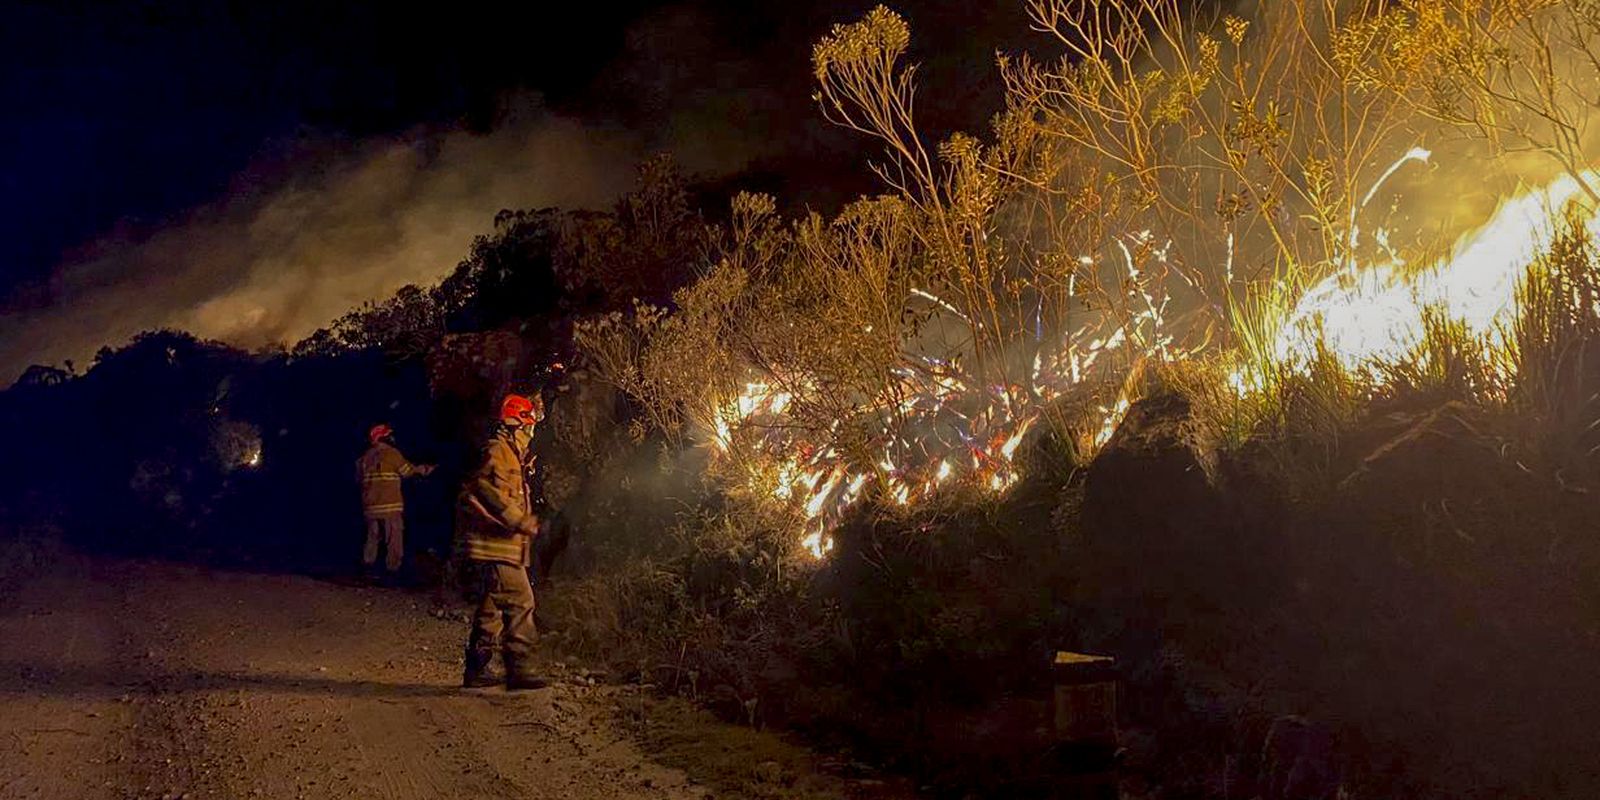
column 950, row 427
column 822, row 481
column 1210, row 203
column 953, row 429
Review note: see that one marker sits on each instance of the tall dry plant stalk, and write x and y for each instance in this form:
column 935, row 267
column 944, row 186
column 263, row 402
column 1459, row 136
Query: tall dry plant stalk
column 1521, row 75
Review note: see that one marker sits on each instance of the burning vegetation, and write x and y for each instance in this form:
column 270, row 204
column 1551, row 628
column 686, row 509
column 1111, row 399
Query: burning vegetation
column 1307, row 244
column 1324, row 191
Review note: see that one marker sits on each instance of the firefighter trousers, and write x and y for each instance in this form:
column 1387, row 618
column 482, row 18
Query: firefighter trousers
column 502, row 618
column 390, row 530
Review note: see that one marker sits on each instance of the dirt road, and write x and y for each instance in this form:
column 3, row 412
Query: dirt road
column 149, row 680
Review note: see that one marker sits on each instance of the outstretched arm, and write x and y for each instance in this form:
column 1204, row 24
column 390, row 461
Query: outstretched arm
column 406, row 469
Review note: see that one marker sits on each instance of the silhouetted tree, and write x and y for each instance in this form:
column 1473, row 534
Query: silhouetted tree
column 42, row 375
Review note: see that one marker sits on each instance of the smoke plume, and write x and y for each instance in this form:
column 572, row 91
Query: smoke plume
column 295, row 244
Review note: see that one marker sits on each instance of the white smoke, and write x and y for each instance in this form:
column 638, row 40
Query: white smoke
column 279, row 257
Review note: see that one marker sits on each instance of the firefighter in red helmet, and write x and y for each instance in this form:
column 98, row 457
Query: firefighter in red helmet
column 380, row 470
column 496, row 526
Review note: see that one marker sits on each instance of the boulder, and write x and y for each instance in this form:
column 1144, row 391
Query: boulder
column 1171, row 523
column 1440, row 491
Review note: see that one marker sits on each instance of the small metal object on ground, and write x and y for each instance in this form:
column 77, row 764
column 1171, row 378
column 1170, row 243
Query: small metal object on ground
column 1086, row 725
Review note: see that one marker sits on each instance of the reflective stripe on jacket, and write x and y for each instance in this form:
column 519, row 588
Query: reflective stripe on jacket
column 496, row 507
column 380, row 470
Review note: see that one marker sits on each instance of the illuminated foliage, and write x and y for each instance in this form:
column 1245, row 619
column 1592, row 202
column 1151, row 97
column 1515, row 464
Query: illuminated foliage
column 1245, row 192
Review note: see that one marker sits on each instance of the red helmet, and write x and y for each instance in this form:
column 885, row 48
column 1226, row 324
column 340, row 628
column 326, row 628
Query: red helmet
column 517, row 409
column 379, row 432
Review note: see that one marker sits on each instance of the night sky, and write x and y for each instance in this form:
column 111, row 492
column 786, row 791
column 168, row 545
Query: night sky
column 134, row 128
column 133, row 111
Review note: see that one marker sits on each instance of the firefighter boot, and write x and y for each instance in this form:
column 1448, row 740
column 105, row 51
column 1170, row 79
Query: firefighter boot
column 519, row 676
column 526, row 680
column 478, row 673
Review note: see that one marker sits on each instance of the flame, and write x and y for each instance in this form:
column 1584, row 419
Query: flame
column 817, row 543
column 1009, row 448
column 1112, row 418
column 1376, row 314
column 945, row 425
column 900, row 494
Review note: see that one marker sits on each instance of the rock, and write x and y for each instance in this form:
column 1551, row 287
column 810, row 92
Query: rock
column 1430, row 444
column 1439, row 490
column 768, row 772
column 449, row 615
column 1171, row 524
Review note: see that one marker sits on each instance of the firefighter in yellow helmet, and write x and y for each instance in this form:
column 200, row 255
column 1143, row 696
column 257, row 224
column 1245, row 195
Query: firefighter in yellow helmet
column 496, row 526
column 380, row 470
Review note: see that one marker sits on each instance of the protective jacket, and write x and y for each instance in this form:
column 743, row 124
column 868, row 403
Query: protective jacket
column 494, row 513
column 380, row 470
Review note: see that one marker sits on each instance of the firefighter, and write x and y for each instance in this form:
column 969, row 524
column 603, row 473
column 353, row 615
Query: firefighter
column 496, row 526
column 380, row 471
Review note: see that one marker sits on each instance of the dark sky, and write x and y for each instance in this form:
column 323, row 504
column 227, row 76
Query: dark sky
column 123, row 120
column 138, row 110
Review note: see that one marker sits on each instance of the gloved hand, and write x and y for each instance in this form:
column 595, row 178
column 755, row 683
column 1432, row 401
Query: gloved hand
column 529, row 526
column 426, row 469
